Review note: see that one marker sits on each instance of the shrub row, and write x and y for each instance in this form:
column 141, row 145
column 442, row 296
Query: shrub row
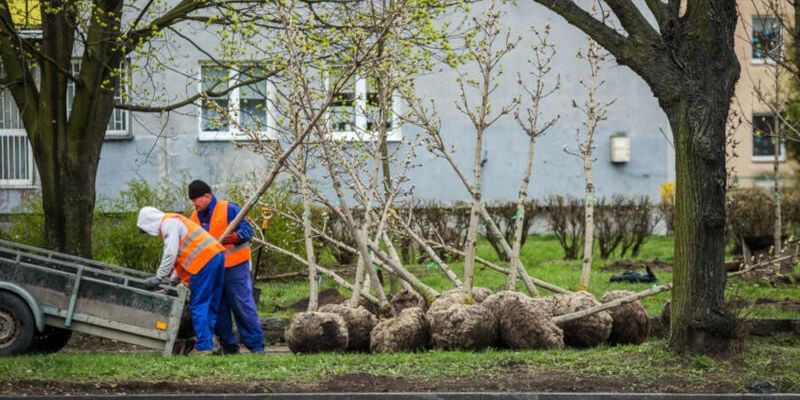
column 622, row 225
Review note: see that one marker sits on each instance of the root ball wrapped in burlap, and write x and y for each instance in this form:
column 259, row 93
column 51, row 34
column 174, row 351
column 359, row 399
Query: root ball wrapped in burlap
column 455, row 325
column 631, row 324
column 313, row 332
column 359, row 324
column 523, row 322
column 586, row 332
column 409, row 331
column 479, row 294
column 456, row 296
column 407, row 299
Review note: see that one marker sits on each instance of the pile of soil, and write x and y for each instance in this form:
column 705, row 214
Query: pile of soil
column 327, row 296
column 785, row 305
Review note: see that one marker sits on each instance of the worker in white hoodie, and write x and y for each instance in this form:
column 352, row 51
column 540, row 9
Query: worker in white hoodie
column 197, row 259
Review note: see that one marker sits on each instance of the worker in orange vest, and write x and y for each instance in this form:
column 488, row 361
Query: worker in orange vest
column 214, row 215
column 195, row 257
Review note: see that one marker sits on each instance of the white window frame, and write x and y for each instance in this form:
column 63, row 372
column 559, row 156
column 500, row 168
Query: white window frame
column 769, row 158
column 17, row 131
column 233, row 133
column 765, row 60
column 126, row 115
column 26, row 183
column 360, row 133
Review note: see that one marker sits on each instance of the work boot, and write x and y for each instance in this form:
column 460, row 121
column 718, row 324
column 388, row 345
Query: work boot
column 196, row 352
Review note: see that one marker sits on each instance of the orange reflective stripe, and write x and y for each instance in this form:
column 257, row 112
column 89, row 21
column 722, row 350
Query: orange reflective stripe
column 196, row 248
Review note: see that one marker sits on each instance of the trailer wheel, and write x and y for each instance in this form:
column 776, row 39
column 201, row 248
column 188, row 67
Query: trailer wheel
column 50, row 341
column 16, row 325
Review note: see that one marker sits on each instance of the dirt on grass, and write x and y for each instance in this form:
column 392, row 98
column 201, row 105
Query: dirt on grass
column 505, row 376
column 564, row 381
column 327, row 296
column 785, row 305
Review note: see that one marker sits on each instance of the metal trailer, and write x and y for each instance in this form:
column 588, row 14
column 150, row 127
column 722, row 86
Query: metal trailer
column 45, row 295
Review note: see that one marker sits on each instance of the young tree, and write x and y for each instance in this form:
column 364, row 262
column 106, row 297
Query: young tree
column 531, row 124
column 595, row 112
column 688, row 60
column 485, row 50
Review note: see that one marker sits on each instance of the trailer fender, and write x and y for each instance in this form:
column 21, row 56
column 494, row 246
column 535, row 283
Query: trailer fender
column 38, row 315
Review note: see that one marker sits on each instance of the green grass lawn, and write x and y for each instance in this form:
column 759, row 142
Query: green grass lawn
column 543, row 258
column 646, row 367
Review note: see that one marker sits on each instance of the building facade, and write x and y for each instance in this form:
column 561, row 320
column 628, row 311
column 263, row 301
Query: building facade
column 183, row 145
column 761, row 46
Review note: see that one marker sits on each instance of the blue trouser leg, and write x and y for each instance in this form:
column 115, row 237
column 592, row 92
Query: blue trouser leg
column 238, row 295
column 206, row 289
column 224, row 327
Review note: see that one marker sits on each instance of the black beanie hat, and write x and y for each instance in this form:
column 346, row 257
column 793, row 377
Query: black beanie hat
column 198, row 188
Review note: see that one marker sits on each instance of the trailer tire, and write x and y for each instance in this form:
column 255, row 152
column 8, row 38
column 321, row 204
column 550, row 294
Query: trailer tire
column 17, row 326
column 51, row 340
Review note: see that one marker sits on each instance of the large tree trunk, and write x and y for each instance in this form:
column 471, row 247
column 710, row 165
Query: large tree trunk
column 700, row 320
column 67, row 155
column 66, row 147
column 689, row 62
column 68, row 195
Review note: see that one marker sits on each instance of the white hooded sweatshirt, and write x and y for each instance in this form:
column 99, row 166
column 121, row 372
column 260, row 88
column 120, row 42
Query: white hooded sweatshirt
column 172, row 230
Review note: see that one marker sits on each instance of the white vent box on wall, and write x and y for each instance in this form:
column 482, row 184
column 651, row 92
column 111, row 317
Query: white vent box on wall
column 620, row 148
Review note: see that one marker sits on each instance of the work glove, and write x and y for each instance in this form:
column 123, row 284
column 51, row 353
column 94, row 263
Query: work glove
column 174, row 281
column 231, row 238
column 152, row 283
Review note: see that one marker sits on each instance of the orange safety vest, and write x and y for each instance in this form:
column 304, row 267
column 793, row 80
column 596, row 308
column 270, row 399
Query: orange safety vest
column 235, row 254
column 196, row 248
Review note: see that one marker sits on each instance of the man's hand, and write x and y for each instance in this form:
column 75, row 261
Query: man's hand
column 152, row 283
column 175, row 281
column 231, row 238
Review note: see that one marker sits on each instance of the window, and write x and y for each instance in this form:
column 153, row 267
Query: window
column 234, row 96
column 355, row 111
column 766, row 38
column 763, row 144
column 118, row 123
column 343, row 109
column 27, row 17
column 16, row 157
